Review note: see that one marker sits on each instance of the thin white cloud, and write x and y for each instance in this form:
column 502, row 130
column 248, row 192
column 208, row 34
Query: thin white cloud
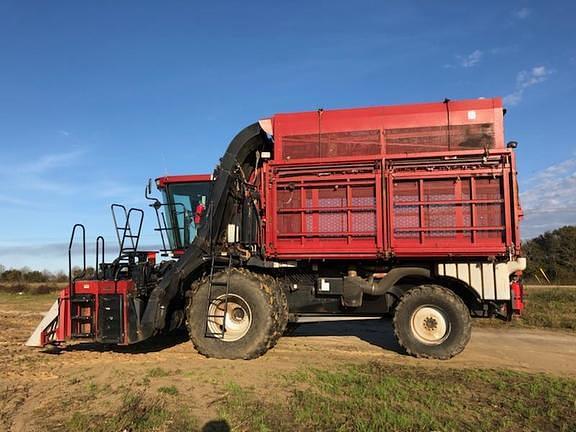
column 46, row 176
column 549, row 199
column 526, row 79
column 51, row 161
column 6, row 199
column 471, row 59
column 38, row 175
column 523, row 13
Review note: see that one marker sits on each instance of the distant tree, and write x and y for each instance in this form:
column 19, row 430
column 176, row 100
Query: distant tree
column 11, row 275
column 60, row 276
column 555, row 253
column 79, row 272
column 2, row 269
column 34, row 276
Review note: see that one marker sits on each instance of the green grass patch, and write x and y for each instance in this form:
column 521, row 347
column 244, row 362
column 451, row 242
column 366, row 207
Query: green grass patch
column 137, row 413
column 378, row 396
column 27, row 302
column 169, row 390
column 157, row 372
column 552, row 308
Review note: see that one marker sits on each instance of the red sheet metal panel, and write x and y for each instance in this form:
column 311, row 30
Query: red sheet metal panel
column 321, row 211
column 404, row 129
column 449, row 213
column 402, row 206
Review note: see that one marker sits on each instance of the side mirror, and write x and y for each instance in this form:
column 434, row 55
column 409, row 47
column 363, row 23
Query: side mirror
column 148, row 194
column 512, row 144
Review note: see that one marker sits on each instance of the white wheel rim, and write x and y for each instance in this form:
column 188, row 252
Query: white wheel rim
column 238, row 317
column 430, row 325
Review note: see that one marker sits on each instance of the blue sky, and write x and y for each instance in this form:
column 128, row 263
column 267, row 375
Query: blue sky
column 95, row 97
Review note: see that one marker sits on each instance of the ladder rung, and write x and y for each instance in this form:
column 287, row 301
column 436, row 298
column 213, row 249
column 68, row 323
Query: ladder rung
column 82, row 318
column 215, row 268
column 82, row 300
column 82, row 335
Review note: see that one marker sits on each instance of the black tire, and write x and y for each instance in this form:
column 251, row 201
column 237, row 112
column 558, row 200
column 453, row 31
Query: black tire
column 280, row 303
column 416, row 315
column 263, row 299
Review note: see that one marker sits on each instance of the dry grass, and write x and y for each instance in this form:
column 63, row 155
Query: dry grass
column 31, row 288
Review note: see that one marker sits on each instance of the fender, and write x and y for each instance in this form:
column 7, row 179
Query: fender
column 393, row 276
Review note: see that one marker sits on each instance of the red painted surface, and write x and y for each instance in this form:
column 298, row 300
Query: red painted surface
column 161, row 182
column 65, row 328
column 391, row 181
column 517, row 297
column 402, row 129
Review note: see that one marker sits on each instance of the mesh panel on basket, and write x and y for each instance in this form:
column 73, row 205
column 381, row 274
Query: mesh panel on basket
column 437, row 138
column 334, row 144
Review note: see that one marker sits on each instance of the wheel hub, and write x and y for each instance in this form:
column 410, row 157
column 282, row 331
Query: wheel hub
column 430, row 325
column 229, row 319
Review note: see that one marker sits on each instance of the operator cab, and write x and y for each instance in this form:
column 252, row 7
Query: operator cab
column 185, row 198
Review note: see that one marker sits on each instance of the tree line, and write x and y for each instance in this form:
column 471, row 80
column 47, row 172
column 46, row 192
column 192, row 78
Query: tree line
column 27, row 275
column 551, row 257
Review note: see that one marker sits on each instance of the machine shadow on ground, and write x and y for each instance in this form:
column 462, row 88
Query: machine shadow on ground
column 377, row 332
column 154, row 344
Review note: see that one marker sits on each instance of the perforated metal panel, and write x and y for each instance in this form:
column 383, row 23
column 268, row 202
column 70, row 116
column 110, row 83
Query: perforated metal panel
column 439, row 138
column 326, row 145
column 331, row 212
column 402, row 206
column 461, row 209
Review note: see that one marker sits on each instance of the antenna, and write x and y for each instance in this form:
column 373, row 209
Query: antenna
column 446, row 102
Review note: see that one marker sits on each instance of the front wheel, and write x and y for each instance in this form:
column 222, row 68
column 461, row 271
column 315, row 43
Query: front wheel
column 432, row 322
column 242, row 322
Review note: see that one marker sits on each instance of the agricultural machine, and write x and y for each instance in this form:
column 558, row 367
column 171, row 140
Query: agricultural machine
column 410, row 211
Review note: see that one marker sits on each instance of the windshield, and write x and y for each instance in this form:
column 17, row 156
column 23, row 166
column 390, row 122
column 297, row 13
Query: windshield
column 186, row 203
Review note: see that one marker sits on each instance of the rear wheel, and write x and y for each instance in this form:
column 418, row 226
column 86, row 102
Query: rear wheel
column 253, row 316
column 432, row 322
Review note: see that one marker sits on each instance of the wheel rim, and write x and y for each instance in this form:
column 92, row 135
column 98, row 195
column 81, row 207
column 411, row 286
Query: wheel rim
column 430, row 325
column 238, row 317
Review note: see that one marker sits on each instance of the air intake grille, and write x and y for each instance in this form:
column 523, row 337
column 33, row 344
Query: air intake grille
column 436, row 138
column 328, row 145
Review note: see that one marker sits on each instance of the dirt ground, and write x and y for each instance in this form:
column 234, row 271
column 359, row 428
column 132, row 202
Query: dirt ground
column 35, row 385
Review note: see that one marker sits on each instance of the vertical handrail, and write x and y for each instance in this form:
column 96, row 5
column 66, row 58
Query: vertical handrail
column 112, row 208
column 128, row 229
column 174, row 231
column 126, row 226
column 99, row 241
column 70, row 279
column 160, row 228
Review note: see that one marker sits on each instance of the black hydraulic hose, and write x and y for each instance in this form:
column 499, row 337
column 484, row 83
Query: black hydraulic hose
column 241, row 152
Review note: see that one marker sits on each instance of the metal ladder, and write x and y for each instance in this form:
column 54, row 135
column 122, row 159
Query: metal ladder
column 215, row 268
column 81, row 305
column 125, row 232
